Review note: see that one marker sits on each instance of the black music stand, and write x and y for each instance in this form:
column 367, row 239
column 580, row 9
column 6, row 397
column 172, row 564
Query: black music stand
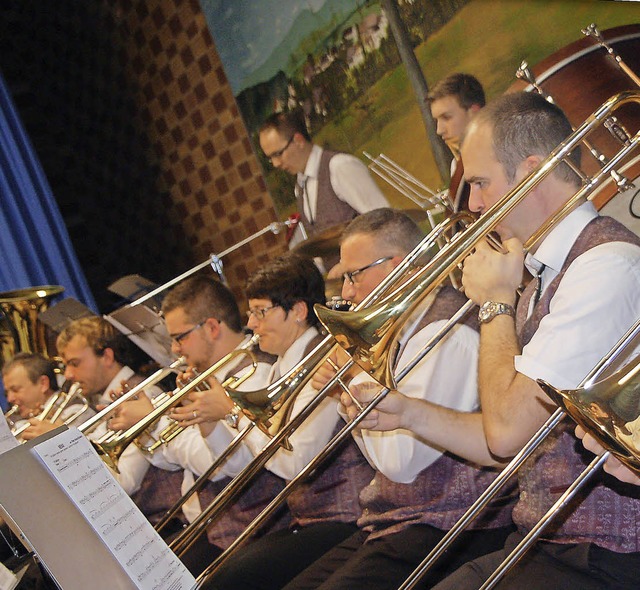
column 145, row 328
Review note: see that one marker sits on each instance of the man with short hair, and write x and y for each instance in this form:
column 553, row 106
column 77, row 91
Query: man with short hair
column 584, row 298
column 420, row 488
column 30, row 382
column 454, row 101
column 331, row 187
column 204, row 322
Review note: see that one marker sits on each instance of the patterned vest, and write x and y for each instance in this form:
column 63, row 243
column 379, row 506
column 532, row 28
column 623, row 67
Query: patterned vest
column 224, row 530
column 331, row 494
column 609, row 515
column 330, row 210
column 443, row 491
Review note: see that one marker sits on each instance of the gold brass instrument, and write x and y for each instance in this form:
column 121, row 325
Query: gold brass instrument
column 111, row 449
column 57, row 404
column 20, row 330
column 371, row 336
column 9, row 416
column 95, row 420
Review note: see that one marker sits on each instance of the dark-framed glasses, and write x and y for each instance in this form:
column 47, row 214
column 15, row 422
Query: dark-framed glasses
column 279, row 153
column 178, row 338
column 349, row 275
column 260, row 312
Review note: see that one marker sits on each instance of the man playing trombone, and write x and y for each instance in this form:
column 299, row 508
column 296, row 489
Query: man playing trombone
column 418, row 490
column 584, row 297
column 203, row 320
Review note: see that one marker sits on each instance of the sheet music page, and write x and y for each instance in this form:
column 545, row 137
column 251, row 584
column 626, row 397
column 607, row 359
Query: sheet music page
column 129, row 536
column 7, row 440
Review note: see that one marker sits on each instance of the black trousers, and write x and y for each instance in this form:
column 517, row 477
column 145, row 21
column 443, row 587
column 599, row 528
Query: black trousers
column 269, row 562
column 551, row 566
column 384, row 563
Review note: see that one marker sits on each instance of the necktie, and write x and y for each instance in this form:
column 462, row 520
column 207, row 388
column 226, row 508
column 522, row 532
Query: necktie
column 458, row 189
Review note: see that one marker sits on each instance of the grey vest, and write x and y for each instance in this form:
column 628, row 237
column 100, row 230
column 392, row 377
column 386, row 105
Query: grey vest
column 607, row 515
column 330, row 210
column 443, row 491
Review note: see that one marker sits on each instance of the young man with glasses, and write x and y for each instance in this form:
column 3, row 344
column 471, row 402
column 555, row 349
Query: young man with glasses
column 423, row 483
column 204, row 322
column 331, row 187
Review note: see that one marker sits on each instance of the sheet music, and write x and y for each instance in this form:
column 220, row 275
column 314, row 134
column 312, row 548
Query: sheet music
column 7, row 440
column 129, row 536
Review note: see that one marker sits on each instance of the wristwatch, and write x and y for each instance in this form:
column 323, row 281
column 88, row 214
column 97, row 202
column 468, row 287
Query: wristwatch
column 491, row 309
column 233, row 417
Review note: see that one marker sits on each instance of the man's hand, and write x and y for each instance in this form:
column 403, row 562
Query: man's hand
column 612, row 466
column 492, row 276
column 129, row 413
column 388, row 414
column 38, row 427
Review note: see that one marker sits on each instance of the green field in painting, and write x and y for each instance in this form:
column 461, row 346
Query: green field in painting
column 488, row 38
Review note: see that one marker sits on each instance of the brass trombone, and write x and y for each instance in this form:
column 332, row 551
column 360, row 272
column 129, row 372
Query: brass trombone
column 261, row 405
column 371, row 336
column 111, row 449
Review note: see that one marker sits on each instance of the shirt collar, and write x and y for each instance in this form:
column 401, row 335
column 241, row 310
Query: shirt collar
column 313, row 163
column 555, row 247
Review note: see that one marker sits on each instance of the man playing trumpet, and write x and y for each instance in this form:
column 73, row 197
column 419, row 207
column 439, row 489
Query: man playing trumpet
column 30, row 383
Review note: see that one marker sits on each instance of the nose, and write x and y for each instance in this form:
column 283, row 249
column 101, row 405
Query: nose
column 348, row 290
column 69, row 374
column 475, row 201
column 11, row 398
column 276, row 162
column 252, row 323
column 440, row 126
column 175, row 347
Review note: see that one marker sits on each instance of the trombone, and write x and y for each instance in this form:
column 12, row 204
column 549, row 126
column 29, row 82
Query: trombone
column 368, row 335
column 261, row 405
column 111, row 449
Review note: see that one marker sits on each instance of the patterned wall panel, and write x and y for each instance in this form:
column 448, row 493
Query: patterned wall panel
column 138, row 132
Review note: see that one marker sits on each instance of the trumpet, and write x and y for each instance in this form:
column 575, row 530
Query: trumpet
column 57, row 404
column 110, row 450
column 9, row 416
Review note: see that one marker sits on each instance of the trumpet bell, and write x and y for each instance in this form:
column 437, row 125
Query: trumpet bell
column 609, row 410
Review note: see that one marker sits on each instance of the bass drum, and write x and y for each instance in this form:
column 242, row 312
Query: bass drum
column 582, row 76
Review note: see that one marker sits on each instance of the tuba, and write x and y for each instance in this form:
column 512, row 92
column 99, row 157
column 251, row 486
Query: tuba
column 20, row 329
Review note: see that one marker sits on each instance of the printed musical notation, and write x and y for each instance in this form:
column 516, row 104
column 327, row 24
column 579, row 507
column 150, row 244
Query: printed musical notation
column 141, row 552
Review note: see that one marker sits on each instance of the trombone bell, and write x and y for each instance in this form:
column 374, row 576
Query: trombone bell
column 609, row 410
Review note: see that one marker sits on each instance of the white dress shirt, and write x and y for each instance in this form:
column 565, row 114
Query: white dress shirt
column 597, row 301
column 446, row 376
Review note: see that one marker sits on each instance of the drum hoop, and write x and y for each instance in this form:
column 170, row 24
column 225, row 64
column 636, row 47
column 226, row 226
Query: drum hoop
column 561, row 64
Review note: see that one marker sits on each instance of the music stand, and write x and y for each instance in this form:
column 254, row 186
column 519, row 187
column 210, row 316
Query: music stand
column 58, row 316
column 132, row 287
column 146, row 329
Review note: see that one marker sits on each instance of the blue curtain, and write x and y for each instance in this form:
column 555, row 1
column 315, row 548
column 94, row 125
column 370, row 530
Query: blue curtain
column 35, row 248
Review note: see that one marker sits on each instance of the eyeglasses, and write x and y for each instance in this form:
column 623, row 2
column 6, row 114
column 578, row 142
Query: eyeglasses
column 279, row 153
column 349, row 275
column 178, row 338
column 260, row 312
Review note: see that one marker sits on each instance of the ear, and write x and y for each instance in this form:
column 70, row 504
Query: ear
column 44, row 385
column 527, row 166
column 108, row 356
column 300, row 311
column 474, row 108
column 212, row 327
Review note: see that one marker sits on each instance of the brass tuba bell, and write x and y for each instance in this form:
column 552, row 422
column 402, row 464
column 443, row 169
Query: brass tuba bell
column 20, row 330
